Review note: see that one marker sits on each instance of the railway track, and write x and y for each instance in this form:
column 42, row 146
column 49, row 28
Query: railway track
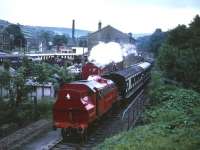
column 109, row 125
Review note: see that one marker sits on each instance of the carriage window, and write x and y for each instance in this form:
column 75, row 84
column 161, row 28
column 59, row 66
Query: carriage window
column 132, row 80
column 127, row 84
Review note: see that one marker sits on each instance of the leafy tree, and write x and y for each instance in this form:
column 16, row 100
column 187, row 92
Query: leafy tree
column 179, row 37
column 6, row 64
column 179, row 57
column 28, row 67
column 46, row 37
column 21, row 88
column 5, row 77
column 156, row 40
column 59, row 40
column 195, row 32
column 5, row 80
column 82, row 43
column 15, row 30
column 151, row 43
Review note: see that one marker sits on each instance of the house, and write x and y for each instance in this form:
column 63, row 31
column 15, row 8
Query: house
column 41, row 90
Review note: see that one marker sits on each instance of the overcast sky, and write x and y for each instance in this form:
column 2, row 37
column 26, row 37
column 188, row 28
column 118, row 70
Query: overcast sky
column 136, row 16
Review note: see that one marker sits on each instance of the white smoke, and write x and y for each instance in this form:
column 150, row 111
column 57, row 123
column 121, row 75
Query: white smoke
column 105, row 53
column 129, row 49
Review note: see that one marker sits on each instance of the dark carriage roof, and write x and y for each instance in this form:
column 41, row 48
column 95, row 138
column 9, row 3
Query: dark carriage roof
column 128, row 71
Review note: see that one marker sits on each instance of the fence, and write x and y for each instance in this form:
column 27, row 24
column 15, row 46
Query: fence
column 132, row 113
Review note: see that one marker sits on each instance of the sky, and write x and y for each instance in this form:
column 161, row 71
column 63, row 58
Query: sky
column 136, row 16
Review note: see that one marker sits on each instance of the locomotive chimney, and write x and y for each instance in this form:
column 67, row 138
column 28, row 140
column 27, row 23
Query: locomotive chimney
column 73, row 28
column 99, row 26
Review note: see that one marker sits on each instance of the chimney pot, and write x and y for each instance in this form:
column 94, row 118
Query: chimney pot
column 99, row 26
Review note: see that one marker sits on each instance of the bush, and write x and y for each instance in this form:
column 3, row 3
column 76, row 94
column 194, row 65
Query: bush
column 154, row 137
column 172, row 123
column 44, row 108
column 12, row 117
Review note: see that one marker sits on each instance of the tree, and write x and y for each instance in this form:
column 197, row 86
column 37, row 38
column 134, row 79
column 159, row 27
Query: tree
column 151, row 43
column 21, row 88
column 179, row 37
column 5, row 80
column 179, row 57
column 83, row 43
column 156, row 40
column 59, row 40
column 195, row 32
column 5, row 76
column 46, row 37
column 15, row 30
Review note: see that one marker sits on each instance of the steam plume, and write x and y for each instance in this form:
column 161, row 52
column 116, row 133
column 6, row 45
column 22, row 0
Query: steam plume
column 105, row 53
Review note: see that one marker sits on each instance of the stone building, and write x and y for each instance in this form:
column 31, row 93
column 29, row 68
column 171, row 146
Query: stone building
column 108, row 34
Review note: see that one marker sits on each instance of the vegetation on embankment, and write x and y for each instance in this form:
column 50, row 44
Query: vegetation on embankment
column 172, row 122
column 17, row 107
column 13, row 118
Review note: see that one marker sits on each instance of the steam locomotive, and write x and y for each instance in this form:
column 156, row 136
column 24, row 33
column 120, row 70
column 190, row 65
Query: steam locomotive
column 82, row 102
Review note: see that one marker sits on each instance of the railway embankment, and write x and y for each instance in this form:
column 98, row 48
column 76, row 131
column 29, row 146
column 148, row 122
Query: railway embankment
column 171, row 121
column 24, row 135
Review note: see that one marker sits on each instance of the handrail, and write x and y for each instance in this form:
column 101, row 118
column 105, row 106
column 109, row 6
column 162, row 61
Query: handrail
column 130, row 105
column 132, row 112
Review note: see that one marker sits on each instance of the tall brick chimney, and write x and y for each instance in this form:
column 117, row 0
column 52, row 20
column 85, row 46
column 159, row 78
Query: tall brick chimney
column 99, row 25
column 73, row 29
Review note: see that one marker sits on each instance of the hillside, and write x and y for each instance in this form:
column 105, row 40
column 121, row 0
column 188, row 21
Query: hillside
column 33, row 30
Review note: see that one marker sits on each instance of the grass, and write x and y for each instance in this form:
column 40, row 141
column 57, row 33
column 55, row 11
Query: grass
column 171, row 123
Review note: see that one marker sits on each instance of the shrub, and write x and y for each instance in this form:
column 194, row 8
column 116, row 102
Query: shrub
column 172, row 123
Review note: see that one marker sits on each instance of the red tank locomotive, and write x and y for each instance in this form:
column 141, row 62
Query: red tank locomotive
column 80, row 103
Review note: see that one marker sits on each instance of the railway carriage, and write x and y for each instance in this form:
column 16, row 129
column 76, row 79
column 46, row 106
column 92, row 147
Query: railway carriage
column 130, row 79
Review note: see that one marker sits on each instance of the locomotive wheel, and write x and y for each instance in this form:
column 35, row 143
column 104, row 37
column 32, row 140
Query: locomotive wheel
column 64, row 134
column 84, row 136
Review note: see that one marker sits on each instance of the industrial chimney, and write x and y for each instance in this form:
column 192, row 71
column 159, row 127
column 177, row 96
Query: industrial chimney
column 99, row 26
column 73, row 28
